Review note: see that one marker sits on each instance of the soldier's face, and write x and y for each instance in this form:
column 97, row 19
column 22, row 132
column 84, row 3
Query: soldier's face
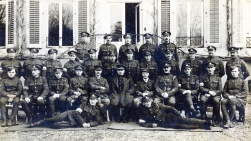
column 129, row 56
column 233, row 54
column 72, row 57
column 78, row 72
column 93, row 102
column 166, row 38
column 128, row 41
column 235, row 72
column 53, row 56
column 145, row 74
column 211, row 52
column 192, row 56
column 120, row 71
column 98, row 72
column 58, row 74
column 11, row 73
column 35, row 72
column 148, row 104
column 33, row 54
column 108, row 39
column 112, row 58
column 148, row 58
column 167, row 69
column 187, row 71
column 168, row 56
column 149, row 41
column 11, row 55
column 93, row 55
column 210, row 70
column 84, row 39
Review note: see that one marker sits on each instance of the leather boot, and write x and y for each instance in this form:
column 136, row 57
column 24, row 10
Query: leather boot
column 4, row 123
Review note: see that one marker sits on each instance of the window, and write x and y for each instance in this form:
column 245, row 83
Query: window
column 2, row 24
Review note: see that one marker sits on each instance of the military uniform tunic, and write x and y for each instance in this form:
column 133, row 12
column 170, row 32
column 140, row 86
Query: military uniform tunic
column 147, row 47
column 28, row 64
column 105, row 49
column 152, row 67
column 110, row 70
column 219, row 68
column 11, row 63
column 82, row 50
column 70, row 65
column 195, row 64
column 132, row 68
column 163, row 47
column 50, row 64
column 244, row 73
column 89, row 66
column 122, row 52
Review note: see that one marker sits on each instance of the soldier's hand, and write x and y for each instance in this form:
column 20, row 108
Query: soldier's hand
column 184, row 92
column 39, row 98
column 102, row 88
column 11, row 96
column 64, row 69
column 231, row 97
column 207, row 95
column 44, row 68
column 26, row 88
column 27, row 99
column 165, row 95
column 141, row 121
column 183, row 115
column 189, row 92
column 81, row 61
column 212, row 93
column 77, row 93
column 144, row 94
column 155, row 125
column 10, row 99
column 79, row 110
column 86, row 125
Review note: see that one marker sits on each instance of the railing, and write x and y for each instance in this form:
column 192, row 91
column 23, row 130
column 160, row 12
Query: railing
column 248, row 42
column 193, row 41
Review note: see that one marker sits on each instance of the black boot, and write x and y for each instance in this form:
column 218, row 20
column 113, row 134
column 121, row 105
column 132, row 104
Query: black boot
column 4, row 124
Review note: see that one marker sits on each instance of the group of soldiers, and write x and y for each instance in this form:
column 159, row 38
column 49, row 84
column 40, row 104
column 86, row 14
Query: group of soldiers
column 128, row 84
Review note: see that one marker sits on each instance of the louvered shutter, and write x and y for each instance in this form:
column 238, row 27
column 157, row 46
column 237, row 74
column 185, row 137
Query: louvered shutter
column 34, row 22
column 165, row 15
column 238, row 22
column 11, row 22
column 2, row 24
column 82, row 17
column 214, row 21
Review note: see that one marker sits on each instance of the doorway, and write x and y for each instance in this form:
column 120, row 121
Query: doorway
column 132, row 20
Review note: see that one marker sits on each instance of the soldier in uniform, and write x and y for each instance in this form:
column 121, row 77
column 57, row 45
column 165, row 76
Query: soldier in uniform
column 196, row 65
column 166, row 86
column 110, row 69
column 10, row 90
column 211, row 90
column 78, row 89
column 11, row 61
column 188, row 88
column 150, row 64
column 175, row 69
column 166, row 45
column 132, row 65
column 50, row 64
column 105, row 49
column 91, row 62
column 83, row 47
column 122, row 91
column 86, row 116
column 159, row 115
column 100, row 85
column 70, row 65
column 219, row 68
column 148, row 46
column 33, row 60
column 234, row 94
column 58, row 89
column 236, row 61
column 35, row 92
column 127, row 45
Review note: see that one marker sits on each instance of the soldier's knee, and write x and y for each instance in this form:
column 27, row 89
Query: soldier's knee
column 62, row 99
column 156, row 100
column 114, row 102
column 3, row 101
column 224, row 102
column 233, row 101
column 41, row 102
column 203, row 99
column 172, row 101
column 16, row 100
column 136, row 102
column 51, row 100
column 106, row 102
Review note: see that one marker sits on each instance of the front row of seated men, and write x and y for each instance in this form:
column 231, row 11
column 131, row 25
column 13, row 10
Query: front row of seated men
column 155, row 100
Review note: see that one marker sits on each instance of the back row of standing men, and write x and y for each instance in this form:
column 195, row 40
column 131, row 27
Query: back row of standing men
column 83, row 74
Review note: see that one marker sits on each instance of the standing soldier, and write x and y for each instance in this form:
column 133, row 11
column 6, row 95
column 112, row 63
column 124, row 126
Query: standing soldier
column 58, row 89
column 195, row 64
column 132, row 65
column 166, row 45
column 127, row 45
column 149, row 63
column 175, row 69
column 211, row 89
column 219, row 68
column 11, row 61
column 78, row 89
column 33, row 60
column 166, row 86
column 35, row 91
column 188, row 88
column 105, row 49
column 100, row 86
column 110, row 69
column 236, row 61
column 50, row 64
column 82, row 47
column 91, row 62
column 10, row 89
column 70, row 65
column 235, row 95
column 148, row 46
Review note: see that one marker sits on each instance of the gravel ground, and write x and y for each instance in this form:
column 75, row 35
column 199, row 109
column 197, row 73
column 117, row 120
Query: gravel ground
column 238, row 133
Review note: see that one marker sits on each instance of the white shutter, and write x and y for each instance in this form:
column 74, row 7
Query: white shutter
column 165, row 15
column 82, row 17
column 34, row 22
column 11, row 22
column 214, row 21
column 238, row 22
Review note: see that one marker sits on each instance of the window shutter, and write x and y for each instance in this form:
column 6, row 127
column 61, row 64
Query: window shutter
column 34, row 22
column 11, row 22
column 165, row 15
column 82, row 17
column 214, row 21
column 238, row 22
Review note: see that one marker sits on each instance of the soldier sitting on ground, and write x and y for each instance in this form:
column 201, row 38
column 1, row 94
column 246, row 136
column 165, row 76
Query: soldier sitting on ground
column 10, row 90
column 86, row 115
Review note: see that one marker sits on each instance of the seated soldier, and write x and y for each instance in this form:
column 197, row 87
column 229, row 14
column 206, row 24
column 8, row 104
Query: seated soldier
column 122, row 91
column 91, row 62
column 188, row 89
column 235, row 95
column 58, row 89
column 86, row 115
column 166, row 86
column 211, row 89
column 175, row 69
column 78, row 89
column 159, row 115
column 10, row 90
column 35, row 92
column 100, row 86
column 149, row 63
